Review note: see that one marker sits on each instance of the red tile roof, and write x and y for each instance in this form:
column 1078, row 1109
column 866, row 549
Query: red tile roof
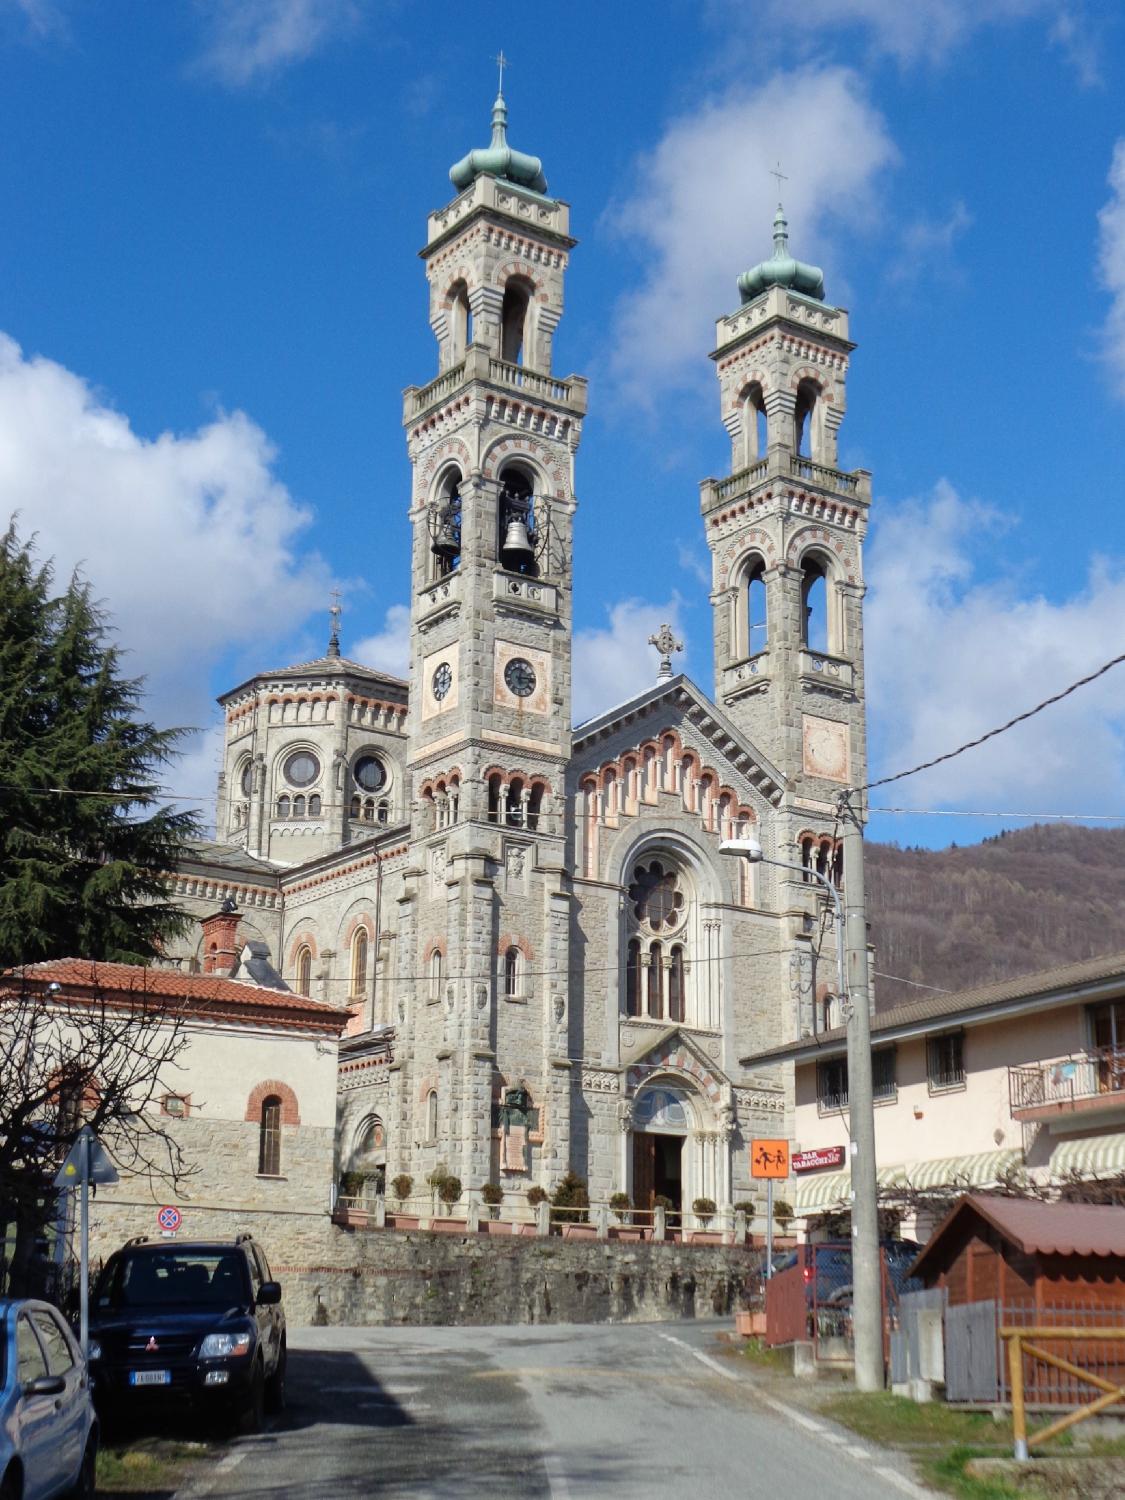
column 1035, row 1228
column 203, row 994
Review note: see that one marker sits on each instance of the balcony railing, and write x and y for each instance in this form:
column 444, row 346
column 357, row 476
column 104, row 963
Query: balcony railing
column 1079, row 1081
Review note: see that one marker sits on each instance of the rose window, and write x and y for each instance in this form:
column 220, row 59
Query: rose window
column 657, row 899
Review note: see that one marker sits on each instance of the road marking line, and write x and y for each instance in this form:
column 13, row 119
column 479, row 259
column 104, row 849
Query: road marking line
column 901, row 1482
column 556, row 1478
column 856, row 1451
column 704, row 1359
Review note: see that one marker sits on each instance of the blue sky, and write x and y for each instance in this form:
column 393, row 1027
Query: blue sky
column 210, row 301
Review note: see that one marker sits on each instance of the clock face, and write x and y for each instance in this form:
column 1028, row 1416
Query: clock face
column 442, row 681
column 520, row 677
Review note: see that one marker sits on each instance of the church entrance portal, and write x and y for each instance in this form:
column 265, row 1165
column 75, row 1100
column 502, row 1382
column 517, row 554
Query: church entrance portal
column 658, row 1170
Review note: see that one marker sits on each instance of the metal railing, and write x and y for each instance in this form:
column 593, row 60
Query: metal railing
column 1063, row 1080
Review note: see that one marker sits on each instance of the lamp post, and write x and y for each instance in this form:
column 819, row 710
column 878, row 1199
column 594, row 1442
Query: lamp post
column 867, row 1292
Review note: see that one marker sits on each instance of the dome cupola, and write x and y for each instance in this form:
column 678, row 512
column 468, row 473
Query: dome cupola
column 781, row 269
column 499, row 159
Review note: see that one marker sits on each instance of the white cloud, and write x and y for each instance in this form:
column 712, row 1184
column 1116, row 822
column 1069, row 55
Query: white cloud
column 252, row 39
column 950, row 656
column 927, row 244
column 703, row 204
column 1111, row 263
column 43, row 17
column 614, row 663
column 190, row 540
column 389, row 648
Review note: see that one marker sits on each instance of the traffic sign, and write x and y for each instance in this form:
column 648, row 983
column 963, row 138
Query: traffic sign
column 89, row 1153
column 169, row 1218
column 769, row 1159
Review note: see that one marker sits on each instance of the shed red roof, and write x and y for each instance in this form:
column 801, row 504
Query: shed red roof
column 203, row 994
column 1034, row 1228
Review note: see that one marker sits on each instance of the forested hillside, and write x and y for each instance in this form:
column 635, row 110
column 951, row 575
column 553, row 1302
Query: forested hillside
column 1022, row 901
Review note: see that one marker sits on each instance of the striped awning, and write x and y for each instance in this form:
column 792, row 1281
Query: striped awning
column 981, row 1170
column 1090, row 1155
column 828, row 1190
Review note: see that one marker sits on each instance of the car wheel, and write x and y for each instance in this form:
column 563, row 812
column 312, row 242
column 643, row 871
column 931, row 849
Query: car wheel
column 86, row 1485
column 250, row 1417
column 275, row 1385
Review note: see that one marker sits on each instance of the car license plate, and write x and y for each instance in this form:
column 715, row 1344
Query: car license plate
column 150, row 1377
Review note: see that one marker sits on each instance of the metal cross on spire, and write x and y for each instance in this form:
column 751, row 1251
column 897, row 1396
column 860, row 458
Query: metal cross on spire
column 665, row 642
column 501, row 63
column 779, row 177
column 334, row 612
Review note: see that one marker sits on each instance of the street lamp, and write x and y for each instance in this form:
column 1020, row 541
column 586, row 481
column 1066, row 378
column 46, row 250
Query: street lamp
column 867, row 1297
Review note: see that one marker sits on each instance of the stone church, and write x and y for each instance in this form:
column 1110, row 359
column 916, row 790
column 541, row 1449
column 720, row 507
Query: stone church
column 547, row 961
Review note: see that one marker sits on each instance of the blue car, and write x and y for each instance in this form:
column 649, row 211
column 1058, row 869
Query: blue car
column 48, row 1429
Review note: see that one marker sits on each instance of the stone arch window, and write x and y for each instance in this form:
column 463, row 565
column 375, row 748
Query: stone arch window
column 269, row 1137
column 284, row 805
column 298, row 806
column 825, row 856
column 807, row 420
column 431, row 1115
column 303, row 970
column 358, row 979
column 516, row 803
column 516, row 521
column 754, row 425
column 535, row 805
column 445, row 525
column 513, row 973
column 516, row 319
column 752, row 625
column 495, row 793
column 661, row 919
column 436, row 965
column 460, row 321
column 314, row 806
column 814, row 605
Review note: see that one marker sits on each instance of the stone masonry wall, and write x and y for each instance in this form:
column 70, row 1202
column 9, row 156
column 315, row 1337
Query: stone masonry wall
column 423, row 1278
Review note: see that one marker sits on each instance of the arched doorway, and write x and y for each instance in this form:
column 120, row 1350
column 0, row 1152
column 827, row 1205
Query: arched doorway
column 661, row 1122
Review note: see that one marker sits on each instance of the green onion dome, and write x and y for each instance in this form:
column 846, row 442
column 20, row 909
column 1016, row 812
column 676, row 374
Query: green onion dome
column 781, row 269
column 499, row 159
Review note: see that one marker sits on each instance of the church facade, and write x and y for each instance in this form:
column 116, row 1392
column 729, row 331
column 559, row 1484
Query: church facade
column 548, row 962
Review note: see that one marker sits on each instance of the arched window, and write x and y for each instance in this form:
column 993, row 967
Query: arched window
column 495, row 787
column 515, row 320
column 431, row 1115
column 460, row 322
column 356, row 807
column 298, row 807
column 269, row 1137
column 435, row 974
column 314, row 806
column 534, row 806
column 515, row 522
column 633, row 979
column 445, row 530
column 757, row 630
column 303, row 969
column 359, row 962
column 515, row 812
column 755, row 431
column 283, row 806
column 806, row 437
column 655, row 982
column 371, row 1140
column 676, row 983
column 814, row 605
column 512, row 972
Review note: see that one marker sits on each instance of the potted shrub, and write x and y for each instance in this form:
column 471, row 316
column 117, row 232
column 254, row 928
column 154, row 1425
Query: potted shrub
column 403, row 1186
column 492, row 1194
column 620, row 1203
column 449, row 1191
column 704, row 1210
column 572, row 1200
column 537, row 1195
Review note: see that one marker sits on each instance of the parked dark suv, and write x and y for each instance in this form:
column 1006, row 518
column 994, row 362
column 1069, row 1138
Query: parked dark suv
column 198, row 1320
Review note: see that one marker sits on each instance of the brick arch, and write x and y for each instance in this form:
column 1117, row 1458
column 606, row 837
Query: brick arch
column 819, row 537
column 290, row 1114
column 364, row 921
column 463, row 273
column 818, row 378
column 510, row 268
column 435, row 945
column 304, row 939
column 451, row 450
column 525, row 447
column 510, row 940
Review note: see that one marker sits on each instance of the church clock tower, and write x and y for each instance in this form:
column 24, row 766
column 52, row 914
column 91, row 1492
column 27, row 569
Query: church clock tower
column 484, row 916
column 786, row 531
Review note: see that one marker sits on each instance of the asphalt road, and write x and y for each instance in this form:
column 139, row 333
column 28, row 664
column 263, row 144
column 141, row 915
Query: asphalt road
column 558, row 1412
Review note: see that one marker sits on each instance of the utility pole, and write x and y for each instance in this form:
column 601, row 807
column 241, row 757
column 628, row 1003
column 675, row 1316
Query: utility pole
column 867, row 1289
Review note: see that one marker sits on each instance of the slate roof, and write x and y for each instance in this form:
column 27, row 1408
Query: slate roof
column 228, row 856
column 208, row 995
column 1034, row 1228
column 979, row 1003
column 322, row 666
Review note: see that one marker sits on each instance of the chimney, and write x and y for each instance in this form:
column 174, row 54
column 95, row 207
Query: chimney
column 220, row 945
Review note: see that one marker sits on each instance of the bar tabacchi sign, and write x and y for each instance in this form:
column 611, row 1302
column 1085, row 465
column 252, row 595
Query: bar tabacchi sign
column 813, row 1161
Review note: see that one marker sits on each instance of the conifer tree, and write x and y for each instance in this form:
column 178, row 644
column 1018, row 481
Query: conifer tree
column 85, row 844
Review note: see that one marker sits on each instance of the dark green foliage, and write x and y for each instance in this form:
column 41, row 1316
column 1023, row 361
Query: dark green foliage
column 620, row 1203
column 492, row 1192
column 1037, row 898
column 704, row 1208
column 80, row 875
column 449, row 1190
column 537, row 1195
column 572, row 1196
column 403, row 1185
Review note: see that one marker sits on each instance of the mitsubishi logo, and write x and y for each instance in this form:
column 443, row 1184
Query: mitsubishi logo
column 152, row 1346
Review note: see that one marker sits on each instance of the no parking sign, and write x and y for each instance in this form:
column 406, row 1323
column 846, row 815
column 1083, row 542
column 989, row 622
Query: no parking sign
column 169, row 1218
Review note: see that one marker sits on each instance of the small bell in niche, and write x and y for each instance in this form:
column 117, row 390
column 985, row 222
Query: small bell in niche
column 517, row 553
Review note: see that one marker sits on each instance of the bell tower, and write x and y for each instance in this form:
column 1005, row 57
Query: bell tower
column 491, row 441
column 786, row 530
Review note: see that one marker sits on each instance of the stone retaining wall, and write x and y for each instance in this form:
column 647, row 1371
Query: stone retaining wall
column 425, row 1278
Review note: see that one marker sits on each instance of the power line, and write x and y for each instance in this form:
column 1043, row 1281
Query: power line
column 953, row 812
column 913, row 983
column 1000, row 729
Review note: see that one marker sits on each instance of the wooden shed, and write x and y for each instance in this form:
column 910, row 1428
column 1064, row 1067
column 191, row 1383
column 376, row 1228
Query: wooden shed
column 1027, row 1254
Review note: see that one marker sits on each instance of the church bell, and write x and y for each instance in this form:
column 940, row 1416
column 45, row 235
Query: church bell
column 516, row 551
column 445, row 544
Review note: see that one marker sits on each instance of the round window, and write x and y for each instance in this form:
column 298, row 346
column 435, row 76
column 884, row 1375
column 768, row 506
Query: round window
column 519, row 674
column 369, row 773
column 656, row 896
column 246, row 781
column 302, row 769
